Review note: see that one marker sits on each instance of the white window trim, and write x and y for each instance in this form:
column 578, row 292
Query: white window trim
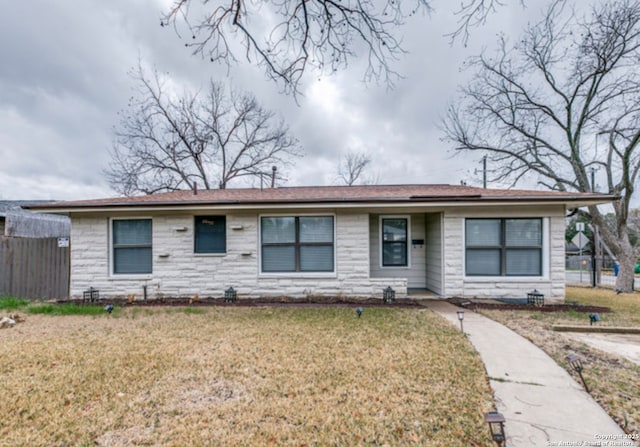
column 125, row 276
column 332, row 274
column 546, row 242
column 380, row 241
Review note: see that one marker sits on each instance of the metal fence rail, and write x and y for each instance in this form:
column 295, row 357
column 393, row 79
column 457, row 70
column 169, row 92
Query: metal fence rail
column 33, row 268
column 579, row 271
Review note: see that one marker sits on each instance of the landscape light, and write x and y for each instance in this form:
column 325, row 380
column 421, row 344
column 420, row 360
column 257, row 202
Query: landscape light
column 461, row 317
column 230, row 295
column 388, row 295
column 496, row 426
column 576, row 364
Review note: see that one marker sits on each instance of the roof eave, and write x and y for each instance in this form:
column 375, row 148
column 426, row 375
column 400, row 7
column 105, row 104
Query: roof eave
column 568, row 201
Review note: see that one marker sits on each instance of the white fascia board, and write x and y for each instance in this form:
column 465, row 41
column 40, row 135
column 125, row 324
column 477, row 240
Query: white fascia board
column 317, row 205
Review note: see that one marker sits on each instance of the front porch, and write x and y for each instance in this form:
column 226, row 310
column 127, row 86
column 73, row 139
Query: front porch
column 409, row 246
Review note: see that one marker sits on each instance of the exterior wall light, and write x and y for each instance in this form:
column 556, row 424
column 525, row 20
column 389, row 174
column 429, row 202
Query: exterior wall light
column 576, row 364
column 496, row 426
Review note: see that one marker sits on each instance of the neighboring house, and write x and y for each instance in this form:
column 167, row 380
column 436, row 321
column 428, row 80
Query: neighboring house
column 323, row 241
column 18, row 222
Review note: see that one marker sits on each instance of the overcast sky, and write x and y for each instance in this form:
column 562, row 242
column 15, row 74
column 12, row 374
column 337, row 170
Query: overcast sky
column 63, row 79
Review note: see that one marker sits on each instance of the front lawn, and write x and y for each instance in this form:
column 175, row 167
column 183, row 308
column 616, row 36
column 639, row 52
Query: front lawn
column 238, row 376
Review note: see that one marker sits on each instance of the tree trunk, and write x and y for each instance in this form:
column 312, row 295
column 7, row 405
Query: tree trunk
column 620, row 245
column 626, row 275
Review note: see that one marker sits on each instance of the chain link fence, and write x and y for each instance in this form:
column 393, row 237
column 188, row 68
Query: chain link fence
column 579, row 270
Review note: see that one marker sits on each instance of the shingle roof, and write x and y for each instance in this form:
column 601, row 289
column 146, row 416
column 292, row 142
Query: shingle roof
column 329, row 194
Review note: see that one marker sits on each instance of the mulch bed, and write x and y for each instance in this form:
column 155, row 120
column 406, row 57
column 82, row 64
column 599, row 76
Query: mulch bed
column 473, row 305
column 253, row 302
column 285, row 301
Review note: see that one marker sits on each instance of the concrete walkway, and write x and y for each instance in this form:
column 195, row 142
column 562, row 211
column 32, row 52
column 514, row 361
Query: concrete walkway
column 542, row 404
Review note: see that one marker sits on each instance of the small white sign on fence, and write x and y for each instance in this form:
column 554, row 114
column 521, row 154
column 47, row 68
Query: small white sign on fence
column 63, row 242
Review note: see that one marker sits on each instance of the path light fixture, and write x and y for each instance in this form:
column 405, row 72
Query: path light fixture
column 496, row 426
column 461, row 317
column 576, row 363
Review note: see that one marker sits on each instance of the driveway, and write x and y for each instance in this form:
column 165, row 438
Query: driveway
column 623, row 345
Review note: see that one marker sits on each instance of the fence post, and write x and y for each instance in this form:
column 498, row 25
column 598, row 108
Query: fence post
column 594, row 256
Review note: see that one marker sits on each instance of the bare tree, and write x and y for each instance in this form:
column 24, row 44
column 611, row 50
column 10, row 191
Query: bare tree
column 287, row 37
column 473, row 14
column 166, row 142
column 537, row 107
column 351, row 168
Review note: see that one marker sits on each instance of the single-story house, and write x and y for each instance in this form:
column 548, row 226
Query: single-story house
column 323, row 241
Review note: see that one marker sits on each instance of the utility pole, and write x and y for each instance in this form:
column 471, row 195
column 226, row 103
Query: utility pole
column 484, row 172
column 594, row 257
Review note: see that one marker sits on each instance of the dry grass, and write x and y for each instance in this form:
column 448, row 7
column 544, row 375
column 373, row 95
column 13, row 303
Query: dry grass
column 241, row 376
column 614, row 381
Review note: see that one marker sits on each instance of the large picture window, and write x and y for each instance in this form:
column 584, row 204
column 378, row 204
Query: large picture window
column 503, row 247
column 131, row 246
column 210, row 234
column 394, row 242
column 297, row 244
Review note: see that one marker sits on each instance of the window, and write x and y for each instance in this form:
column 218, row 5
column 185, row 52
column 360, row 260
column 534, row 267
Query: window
column 503, row 247
column 297, row 244
column 210, row 234
column 131, row 246
column 394, row 242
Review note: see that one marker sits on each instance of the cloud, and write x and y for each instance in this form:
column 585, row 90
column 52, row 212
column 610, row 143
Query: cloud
column 63, row 79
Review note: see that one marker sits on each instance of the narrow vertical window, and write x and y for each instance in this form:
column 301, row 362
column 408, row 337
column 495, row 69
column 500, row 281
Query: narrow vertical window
column 394, row 242
column 523, row 247
column 484, row 247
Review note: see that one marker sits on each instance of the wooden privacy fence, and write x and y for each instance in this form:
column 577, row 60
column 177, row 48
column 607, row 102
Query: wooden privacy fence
column 33, row 268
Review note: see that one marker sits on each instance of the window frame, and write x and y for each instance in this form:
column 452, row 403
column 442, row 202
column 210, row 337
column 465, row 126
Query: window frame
column 195, row 235
column 381, row 220
column 112, row 249
column 297, row 244
column 503, row 248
